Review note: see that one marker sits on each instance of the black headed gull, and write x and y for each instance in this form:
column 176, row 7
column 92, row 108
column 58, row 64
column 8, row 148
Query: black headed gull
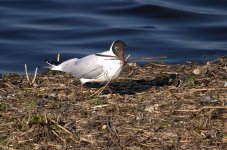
column 99, row 67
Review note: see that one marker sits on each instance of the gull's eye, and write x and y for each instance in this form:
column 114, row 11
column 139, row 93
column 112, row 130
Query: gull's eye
column 117, row 48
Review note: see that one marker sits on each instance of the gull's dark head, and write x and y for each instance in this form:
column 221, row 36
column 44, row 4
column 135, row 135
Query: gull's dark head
column 118, row 48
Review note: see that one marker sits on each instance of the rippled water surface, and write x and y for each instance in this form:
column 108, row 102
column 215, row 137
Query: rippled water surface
column 183, row 30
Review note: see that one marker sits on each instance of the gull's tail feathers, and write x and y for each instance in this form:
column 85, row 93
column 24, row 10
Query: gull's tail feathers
column 61, row 66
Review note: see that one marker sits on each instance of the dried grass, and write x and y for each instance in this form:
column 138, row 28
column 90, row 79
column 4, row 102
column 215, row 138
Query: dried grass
column 157, row 106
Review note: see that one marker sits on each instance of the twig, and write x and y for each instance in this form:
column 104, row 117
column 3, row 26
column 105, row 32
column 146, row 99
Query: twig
column 6, row 124
column 140, row 58
column 63, row 140
column 147, row 145
column 111, row 128
column 3, row 90
column 58, row 57
column 6, row 147
column 24, row 141
column 187, row 110
column 205, row 107
column 148, row 58
column 45, row 117
column 127, row 57
column 100, row 106
column 91, row 141
column 7, row 144
column 215, row 107
column 36, row 69
column 185, row 141
column 10, row 86
column 26, row 72
column 67, row 131
column 61, row 127
column 28, row 131
column 206, row 89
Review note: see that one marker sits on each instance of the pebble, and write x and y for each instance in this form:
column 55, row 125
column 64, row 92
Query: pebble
column 225, row 85
column 196, row 71
column 207, row 99
column 131, row 64
column 104, row 127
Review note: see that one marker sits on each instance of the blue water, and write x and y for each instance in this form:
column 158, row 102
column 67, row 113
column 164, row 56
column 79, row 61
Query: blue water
column 183, row 30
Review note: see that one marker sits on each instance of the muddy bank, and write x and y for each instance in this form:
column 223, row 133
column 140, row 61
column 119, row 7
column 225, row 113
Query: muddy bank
column 158, row 106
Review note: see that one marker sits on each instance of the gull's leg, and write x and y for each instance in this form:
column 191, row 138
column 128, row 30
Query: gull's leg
column 81, row 89
column 101, row 89
column 110, row 91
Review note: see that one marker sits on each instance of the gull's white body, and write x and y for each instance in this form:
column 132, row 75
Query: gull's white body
column 93, row 68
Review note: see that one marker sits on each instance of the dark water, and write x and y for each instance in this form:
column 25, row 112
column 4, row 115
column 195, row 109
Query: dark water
column 183, row 30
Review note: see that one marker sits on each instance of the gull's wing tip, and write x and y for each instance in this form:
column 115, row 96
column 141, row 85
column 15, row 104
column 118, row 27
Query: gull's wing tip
column 52, row 63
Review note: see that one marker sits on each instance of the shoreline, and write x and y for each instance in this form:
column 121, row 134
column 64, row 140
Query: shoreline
column 157, row 105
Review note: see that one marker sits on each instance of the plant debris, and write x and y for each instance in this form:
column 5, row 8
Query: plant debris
column 156, row 105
